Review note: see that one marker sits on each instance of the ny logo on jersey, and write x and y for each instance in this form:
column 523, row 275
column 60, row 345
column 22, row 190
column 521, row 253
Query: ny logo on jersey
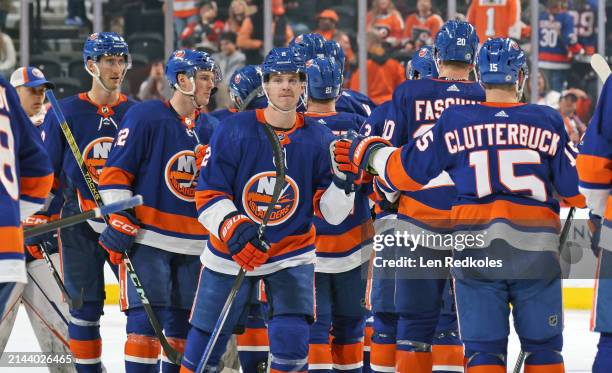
column 95, row 155
column 257, row 195
column 180, row 174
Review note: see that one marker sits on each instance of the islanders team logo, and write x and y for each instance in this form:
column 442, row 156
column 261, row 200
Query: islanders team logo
column 95, row 156
column 180, row 174
column 257, row 194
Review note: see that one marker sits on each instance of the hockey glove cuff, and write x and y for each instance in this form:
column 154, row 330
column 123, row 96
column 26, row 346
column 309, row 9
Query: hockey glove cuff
column 240, row 234
column 119, row 236
column 32, row 243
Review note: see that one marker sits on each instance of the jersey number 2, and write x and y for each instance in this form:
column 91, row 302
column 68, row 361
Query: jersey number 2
column 8, row 173
column 507, row 159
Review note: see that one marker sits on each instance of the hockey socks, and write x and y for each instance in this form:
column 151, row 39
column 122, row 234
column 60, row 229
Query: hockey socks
column 543, row 356
column 382, row 354
column 142, row 348
column 85, row 341
column 253, row 346
column 367, row 344
column 176, row 327
column 603, row 359
column 447, row 353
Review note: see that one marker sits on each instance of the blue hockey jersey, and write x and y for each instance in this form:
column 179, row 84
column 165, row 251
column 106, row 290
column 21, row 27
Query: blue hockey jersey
column 339, row 247
column 25, row 181
column 415, row 107
column 505, row 161
column 94, row 128
column 154, row 156
column 557, row 36
column 594, row 164
column 238, row 174
column 350, row 101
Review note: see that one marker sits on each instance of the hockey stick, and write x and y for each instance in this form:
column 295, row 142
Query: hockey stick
column 73, row 303
column 601, row 67
column 97, row 212
column 172, row 355
column 279, row 163
column 564, row 233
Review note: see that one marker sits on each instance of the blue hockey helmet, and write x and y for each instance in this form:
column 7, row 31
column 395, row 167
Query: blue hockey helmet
column 245, row 88
column 324, row 78
column 309, row 45
column 105, row 44
column 422, row 64
column 456, row 41
column 188, row 62
column 283, row 60
column 501, row 61
column 335, row 51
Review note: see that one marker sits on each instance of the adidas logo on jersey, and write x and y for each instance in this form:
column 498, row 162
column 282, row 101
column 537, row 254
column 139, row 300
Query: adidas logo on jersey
column 452, row 88
column 502, row 114
column 322, row 121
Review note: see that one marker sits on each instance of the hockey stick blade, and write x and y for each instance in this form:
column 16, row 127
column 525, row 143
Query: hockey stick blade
column 279, row 163
column 600, row 66
column 79, row 218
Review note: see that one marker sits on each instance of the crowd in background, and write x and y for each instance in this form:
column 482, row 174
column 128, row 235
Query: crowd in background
column 232, row 31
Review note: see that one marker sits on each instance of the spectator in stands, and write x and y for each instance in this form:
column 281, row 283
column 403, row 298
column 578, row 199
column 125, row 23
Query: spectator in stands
column 384, row 73
column 558, row 43
column 76, row 13
column 156, row 86
column 573, row 125
column 185, row 13
column 584, row 13
column 237, row 14
column 250, row 37
column 5, row 8
column 422, row 26
column 8, row 56
column 328, row 19
column 546, row 96
column 386, row 20
column 583, row 104
column 351, row 60
column 206, row 31
column 229, row 59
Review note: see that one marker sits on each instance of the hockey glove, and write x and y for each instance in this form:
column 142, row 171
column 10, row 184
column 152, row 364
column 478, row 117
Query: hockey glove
column 200, row 153
column 353, row 154
column 119, row 235
column 32, row 243
column 240, row 234
column 594, row 224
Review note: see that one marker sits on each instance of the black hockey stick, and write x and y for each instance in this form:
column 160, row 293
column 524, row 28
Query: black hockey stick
column 74, row 303
column 172, row 355
column 279, row 163
column 564, row 233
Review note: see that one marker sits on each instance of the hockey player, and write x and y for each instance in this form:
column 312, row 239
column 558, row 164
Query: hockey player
column 314, row 45
column 25, row 183
column 234, row 189
column 415, row 107
column 156, row 154
column 594, row 164
column 245, row 92
column 340, row 279
column 41, row 297
column 92, row 118
column 513, row 219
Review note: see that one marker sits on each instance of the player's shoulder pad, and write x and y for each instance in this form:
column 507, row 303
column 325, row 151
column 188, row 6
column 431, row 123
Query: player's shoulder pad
column 316, row 132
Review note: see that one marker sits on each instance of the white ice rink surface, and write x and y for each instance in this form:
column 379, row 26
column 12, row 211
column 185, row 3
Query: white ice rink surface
column 579, row 348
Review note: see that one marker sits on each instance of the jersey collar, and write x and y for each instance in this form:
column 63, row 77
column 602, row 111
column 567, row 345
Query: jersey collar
column 103, row 110
column 283, row 134
column 186, row 121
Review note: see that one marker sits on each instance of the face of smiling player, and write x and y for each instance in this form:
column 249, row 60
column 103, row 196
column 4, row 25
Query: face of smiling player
column 111, row 70
column 284, row 90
